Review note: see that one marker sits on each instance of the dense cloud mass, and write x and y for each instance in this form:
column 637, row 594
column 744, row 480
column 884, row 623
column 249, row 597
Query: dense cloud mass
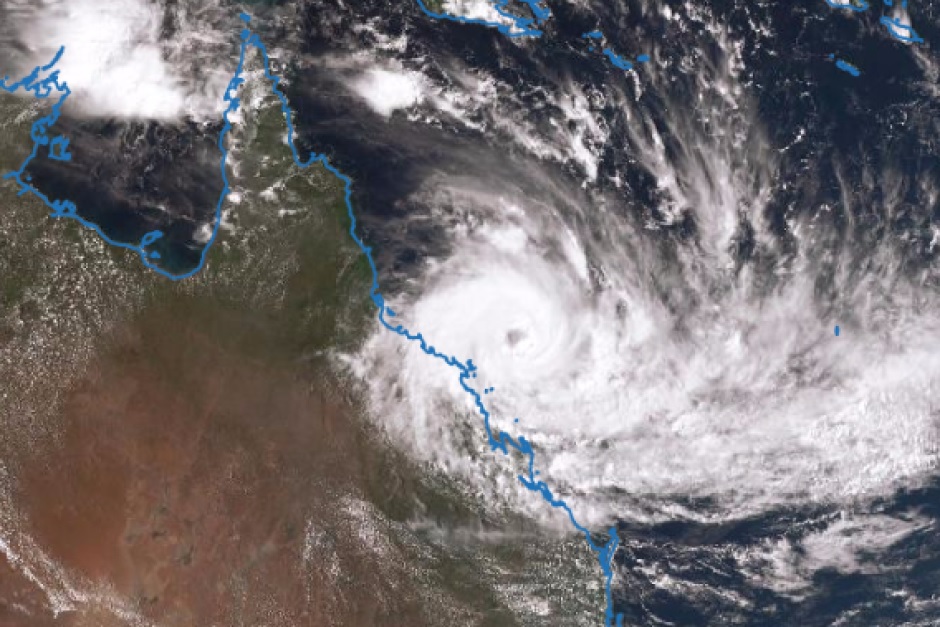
column 644, row 269
column 127, row 59
column 648, row 268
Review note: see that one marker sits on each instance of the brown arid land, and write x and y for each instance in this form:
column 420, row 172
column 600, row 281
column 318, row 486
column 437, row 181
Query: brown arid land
column 188, row 454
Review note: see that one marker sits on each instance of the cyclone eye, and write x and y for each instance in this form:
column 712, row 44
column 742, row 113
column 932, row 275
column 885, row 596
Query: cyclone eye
column 514, row 336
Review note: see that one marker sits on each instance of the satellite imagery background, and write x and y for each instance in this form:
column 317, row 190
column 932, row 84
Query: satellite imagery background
column 469, row 312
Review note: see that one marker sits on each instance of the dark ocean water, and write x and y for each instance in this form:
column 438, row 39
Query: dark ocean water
column 864, row 148
column 868, row 153
column 701, row 554
column 144, row 176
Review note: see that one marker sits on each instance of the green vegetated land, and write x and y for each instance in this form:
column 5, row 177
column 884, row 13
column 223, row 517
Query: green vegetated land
column 199, row 430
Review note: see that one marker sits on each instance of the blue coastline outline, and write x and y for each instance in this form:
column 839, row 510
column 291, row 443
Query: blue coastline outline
column 848, row 68
column 520, row 26
column 897, row 29
column 858, row 8
column 616, row 60
column 42, row 88
column 900, row 31
column 845, row 66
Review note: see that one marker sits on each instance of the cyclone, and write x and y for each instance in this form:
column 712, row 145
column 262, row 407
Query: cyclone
column 665, row 339
column 751, row 398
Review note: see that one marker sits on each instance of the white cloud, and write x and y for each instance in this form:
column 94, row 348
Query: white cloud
column 849, row 544
column 115, row 63
column 387, row 91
